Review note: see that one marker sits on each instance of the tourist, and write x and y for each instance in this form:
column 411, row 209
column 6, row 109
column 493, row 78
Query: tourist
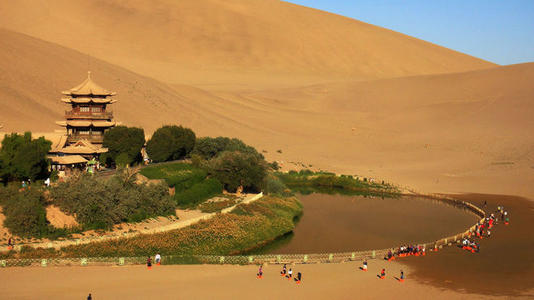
column 284, row 270
column 364, row 265
column 383, row 274
column 260, row 272
column 402, row 276
column 299, row 277
column 89, row 297
column 158, row 259
column 289, row 273
column 23, row 184
column 489, row 233
column 149, row 262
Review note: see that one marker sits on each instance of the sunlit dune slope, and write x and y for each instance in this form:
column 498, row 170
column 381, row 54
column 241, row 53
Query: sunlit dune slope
column 231, row 44
column 470, row 131
column 35, row 72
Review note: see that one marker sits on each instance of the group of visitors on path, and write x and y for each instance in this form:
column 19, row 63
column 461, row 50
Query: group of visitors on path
column 285, row 273
column 483, row 229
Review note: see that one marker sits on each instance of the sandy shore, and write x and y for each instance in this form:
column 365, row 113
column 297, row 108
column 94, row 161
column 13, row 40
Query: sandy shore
column 326, row 281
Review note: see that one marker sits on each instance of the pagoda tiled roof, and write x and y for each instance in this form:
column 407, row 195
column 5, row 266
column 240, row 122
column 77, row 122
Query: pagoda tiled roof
column 87, row 88
column 83, row 123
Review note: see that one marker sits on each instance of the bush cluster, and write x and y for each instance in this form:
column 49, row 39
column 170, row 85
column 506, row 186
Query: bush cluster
column 124, row 145
column 235, row 169
column 170, row 143
column 24, row 211
column 208, row 147
column 307, row 181
column 100, row 203
column 22, row 157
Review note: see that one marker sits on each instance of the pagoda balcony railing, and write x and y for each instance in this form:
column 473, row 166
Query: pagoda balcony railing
column 96, row 138
column 69, row 114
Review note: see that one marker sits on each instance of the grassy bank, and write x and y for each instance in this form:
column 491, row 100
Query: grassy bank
column 191, row 184
column 247, row 226
column 306, row 182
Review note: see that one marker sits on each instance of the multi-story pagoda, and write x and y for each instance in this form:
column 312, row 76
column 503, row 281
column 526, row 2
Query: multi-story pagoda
column 86, row 123
column 90, row 115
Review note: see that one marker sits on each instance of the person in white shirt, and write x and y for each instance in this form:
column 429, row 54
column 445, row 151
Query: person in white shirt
column 158, row 259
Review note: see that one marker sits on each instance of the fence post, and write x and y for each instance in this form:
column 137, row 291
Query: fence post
column 374, row 254
column 3, row 263
column 221, row 260
column 330, row 257
column 278, row 258
column 44, row 262
column 121, row 261
column 305, row 258
column 83, row 262
column 352, row 256
column 250, row 259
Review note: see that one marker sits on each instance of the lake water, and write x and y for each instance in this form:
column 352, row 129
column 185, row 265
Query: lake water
column 339, row 223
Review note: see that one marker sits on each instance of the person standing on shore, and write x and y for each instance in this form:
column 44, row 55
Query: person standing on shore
column 383, row 274
column 364, row 267
column 158, row 259
column 402, row 276
column 260, row 272
column 149, row 263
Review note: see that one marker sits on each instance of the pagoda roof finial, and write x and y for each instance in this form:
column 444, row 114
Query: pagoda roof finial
column 88, row 74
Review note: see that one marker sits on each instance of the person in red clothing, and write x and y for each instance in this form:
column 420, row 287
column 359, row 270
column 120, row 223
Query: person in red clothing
column 383, row 274
column 149, row 262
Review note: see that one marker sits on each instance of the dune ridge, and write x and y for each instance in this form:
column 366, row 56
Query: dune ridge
column 231, row 44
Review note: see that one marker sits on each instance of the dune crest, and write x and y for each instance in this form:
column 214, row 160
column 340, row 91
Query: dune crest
column 232, row 44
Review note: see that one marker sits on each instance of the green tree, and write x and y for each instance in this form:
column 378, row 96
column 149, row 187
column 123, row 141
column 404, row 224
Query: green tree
column 170, row 143
column 24, row 211
column 22, row 157
column 124, row 145
column 208, row 147
column 234, row 169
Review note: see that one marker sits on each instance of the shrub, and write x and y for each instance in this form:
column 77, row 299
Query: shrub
column 208, row 147
column 273, row 185
column 124, row 145
column 170, row 143
column 100, row 203
column 24, row 212
column 198, row 193
column 235, row 169
column 22, row 157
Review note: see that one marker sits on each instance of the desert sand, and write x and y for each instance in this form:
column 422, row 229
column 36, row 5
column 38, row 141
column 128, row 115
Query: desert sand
column 336, row 281
column 329, row 92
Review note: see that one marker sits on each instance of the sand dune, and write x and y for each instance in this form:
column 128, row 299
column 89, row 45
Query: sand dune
column 469, row 131
column 231, row 44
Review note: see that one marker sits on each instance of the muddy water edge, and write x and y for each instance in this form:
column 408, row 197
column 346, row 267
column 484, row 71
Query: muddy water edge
column 505, row 264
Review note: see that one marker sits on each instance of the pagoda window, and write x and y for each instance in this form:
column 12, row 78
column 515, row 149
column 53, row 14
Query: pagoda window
column 84, row 109
column 96, row 109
